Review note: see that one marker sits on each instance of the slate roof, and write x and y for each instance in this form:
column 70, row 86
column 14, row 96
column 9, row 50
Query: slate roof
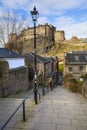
column 76, row 57
column 39, row 58
column 5, row 53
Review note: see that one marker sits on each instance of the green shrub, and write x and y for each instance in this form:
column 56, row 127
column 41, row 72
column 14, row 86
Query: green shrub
column 84, row 77
column 61, row 68
column 66, row 80
column 71, row 83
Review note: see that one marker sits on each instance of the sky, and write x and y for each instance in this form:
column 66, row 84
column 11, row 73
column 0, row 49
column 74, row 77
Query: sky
column 67, row 15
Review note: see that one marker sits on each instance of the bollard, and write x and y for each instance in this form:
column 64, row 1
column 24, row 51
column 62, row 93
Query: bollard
column 39, row 96
column 43, row 91
column 23, row 110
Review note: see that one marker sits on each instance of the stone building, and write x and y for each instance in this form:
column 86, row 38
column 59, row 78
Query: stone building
column 13, row 73
column 46, row 35
column 43, row 64
column 75, row 63
column 59, row 35
column 47, row 31
column 41, row 30
column 46, row 67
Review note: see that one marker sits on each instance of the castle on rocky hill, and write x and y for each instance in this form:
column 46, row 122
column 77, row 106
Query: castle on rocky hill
column 46, row 34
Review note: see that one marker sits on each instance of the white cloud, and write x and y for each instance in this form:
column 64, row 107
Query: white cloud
column 14, row 4
column 43, row 20
column 44, row 6
column 59, row 22
column 71, row 26
column 78, row 29
column 56, row 7
column 53, row 12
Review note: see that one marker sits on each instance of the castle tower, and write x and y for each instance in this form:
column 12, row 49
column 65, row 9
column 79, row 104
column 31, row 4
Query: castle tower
column 59, row 35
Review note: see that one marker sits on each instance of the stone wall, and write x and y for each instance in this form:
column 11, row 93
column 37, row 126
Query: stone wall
column 84, row 88
column 13, row 80
column 59, row 35
column 46, row 30
column 41, row 30
column 4, row 71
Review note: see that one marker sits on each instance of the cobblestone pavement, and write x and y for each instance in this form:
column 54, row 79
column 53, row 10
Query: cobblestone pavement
column 59, row 109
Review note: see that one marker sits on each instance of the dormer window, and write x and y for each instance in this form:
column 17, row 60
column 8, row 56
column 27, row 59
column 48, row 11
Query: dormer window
column 9, row 53
column 86, row 57
column 76, row 58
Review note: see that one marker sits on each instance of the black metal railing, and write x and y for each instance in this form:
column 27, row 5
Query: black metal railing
column 21, row 104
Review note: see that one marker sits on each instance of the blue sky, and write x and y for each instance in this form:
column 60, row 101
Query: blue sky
column 67, row 15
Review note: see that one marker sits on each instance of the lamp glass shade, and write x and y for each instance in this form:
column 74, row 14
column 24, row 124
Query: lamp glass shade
column 34, row 14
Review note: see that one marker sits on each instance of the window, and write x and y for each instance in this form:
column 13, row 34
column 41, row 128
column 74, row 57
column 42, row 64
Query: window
column 76, row 58
column 80, row 68
column 86, row 57
column 70, row 69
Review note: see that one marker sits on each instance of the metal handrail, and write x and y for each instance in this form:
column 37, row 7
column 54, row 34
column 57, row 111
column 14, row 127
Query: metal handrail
column 23, row 103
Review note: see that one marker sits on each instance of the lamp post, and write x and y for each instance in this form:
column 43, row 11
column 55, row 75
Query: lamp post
column 57, row 70
column 34, row 15
column 51, row 73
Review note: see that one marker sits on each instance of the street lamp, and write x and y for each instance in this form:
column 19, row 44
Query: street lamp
column 34, row 15
column 51, row 73
column 57, row 70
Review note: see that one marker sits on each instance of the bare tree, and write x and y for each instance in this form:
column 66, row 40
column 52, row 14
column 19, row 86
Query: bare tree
column 10, row 28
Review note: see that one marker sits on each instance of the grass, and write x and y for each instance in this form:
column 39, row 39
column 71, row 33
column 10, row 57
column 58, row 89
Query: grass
column 59, row 50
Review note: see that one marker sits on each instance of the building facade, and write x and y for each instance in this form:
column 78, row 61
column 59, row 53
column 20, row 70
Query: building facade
column 14, row 60
column 75, row 63
column 46, row 67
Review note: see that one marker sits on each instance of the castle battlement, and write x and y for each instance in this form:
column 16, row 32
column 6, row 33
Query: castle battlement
column 47, row 30
column 46, row 35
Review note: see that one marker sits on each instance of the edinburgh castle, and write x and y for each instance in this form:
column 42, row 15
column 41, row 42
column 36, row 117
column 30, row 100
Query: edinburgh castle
column 46, row 35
